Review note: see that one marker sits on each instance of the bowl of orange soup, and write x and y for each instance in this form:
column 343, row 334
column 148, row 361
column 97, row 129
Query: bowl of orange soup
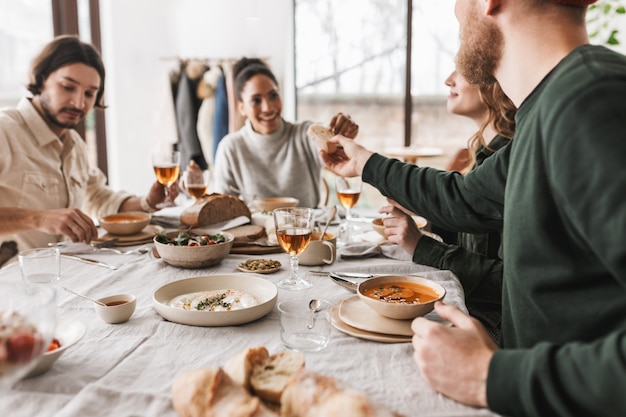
column 401, row 297
column 125, row 223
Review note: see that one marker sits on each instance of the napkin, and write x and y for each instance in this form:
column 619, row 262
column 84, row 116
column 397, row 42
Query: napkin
column 357, row 250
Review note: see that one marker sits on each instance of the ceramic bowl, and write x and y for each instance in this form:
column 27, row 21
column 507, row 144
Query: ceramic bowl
column 377, row 224
column 265, row 292
column 68, row 332
column 271, row 203
column 125, row 223
column 428, row 290
column 119, row 308
column 195, row 256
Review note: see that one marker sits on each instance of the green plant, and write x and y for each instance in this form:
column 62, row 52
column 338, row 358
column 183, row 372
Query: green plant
column 601, row 20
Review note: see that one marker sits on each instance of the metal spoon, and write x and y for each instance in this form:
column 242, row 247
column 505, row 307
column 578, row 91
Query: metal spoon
column 331, row 216
column 315, row 306
column 85, row 297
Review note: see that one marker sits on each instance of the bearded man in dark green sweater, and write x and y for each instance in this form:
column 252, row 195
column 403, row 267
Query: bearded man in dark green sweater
column 558, row 191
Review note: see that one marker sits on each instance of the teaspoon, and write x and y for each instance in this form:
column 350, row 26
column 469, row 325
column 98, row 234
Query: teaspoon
column 85, row 297
column 331, row 216
column 315, row 306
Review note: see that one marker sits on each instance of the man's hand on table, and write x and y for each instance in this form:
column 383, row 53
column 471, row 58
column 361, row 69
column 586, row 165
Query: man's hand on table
column 454, row 360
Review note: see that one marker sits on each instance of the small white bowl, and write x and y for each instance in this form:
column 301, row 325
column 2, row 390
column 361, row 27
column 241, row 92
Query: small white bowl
column 125, row 223
column 119, row 308
column 271, row 203
column 378, row 226
column 68, row 331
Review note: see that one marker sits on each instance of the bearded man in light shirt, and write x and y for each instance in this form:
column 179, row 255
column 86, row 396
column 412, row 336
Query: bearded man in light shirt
column 48, row 191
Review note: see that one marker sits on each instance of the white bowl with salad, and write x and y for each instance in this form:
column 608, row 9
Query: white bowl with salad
column 198, row 248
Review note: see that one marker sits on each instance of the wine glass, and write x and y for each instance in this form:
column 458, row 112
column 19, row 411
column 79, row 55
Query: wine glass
column 294, row 226
column 167, row 168
column 348, row 193
column 27, row 322
column 196, row 183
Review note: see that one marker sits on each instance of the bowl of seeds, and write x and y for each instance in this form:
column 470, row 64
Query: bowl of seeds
column 260, row 266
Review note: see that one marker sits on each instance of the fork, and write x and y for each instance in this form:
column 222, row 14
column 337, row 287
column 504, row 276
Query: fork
column 139, row 251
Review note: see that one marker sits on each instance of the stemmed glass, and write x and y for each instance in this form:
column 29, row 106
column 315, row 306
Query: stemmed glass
column 27, row 321
column 167, row 168
column 348, row 193
column 294, row 226
column 196, row 183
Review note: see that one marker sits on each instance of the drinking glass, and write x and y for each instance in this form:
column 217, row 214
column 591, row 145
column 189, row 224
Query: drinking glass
column 167, row 168
column 196, row 183
column 294, row 226
column 348, row 193
column 27, row 321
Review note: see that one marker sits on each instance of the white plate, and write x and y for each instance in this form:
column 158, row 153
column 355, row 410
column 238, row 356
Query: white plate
column 69, row 331
column 362, row 334
column 264, row 291
column 356, row 313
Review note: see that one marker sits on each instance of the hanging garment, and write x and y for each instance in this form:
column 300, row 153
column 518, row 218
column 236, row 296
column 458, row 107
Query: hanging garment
column 210, row 79
column 187, row 106
column 220, row 119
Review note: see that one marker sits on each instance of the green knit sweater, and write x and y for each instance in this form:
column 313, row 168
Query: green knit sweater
column 564, row 214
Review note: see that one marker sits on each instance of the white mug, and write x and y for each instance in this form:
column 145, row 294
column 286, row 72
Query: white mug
column 319, row 252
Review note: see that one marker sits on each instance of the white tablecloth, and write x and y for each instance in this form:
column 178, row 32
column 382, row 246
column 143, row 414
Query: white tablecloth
column 127, row 369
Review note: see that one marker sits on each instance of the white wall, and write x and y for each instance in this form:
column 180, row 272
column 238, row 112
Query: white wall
column 138, row 34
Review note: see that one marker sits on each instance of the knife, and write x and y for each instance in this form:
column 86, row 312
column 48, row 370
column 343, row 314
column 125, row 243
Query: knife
column 357, row 275
column 229, row 224
column 89, row 261
column 349, row 285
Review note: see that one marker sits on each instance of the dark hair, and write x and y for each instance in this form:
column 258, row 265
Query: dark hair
column 61, row 51
column 246, row 68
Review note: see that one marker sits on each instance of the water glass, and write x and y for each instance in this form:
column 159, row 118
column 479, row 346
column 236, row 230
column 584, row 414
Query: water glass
column 302, row 329
column 40, row 265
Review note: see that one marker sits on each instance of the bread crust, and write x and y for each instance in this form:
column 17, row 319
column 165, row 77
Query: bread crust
column 320, row 134
column 214, row 208
column 239, row 367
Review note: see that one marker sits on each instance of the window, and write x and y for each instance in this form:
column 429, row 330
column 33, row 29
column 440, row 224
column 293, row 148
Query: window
column 351, row 56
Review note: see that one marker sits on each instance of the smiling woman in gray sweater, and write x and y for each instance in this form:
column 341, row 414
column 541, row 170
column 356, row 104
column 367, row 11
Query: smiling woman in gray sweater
column 269, row 157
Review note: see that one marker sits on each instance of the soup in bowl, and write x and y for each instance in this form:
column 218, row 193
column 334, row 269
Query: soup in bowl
column 125, row 223
column 401, row 297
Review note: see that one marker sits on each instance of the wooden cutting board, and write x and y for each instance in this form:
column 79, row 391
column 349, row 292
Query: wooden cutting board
column 255, row 250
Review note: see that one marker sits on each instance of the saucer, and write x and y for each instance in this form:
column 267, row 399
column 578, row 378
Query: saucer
column 356, row 313
column 362, row 334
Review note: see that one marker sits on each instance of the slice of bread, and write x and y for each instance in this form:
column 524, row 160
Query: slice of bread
column 320, row 135
column 246, row 233
column 214, row 208
column 211, row 392
column 269, row 378
column 239, row 367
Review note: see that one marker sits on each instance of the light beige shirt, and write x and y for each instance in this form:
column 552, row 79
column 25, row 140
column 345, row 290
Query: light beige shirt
column 39, row 170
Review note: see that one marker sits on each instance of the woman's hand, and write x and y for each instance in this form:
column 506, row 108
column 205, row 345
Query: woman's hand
column 400, row 227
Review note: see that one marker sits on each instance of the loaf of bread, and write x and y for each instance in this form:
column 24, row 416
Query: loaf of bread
column 214, row 208
column 320, row 135
column 212, row 393
column 254, row 383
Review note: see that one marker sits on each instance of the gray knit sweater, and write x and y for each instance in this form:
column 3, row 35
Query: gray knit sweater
column 285, row 163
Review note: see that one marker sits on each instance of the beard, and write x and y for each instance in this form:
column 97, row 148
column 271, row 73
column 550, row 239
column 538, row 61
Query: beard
column 52, row 116
column 481, row 49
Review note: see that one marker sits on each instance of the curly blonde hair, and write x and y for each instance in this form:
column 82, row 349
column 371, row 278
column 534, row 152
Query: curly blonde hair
column 501, row 115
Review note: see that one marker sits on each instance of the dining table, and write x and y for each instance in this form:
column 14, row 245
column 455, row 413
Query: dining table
column 127, row 369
